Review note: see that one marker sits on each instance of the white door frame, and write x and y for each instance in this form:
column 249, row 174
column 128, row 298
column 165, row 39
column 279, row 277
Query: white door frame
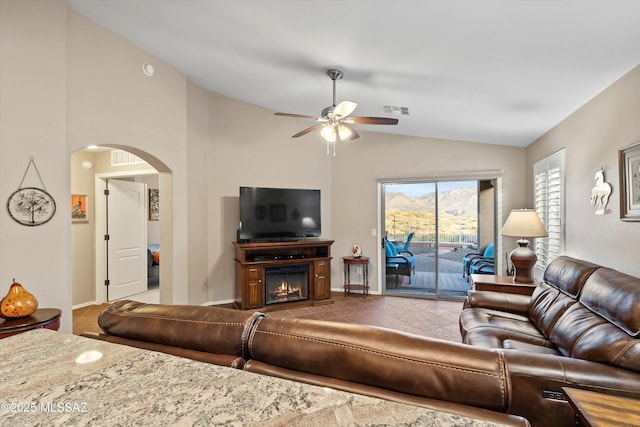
column 100, row 218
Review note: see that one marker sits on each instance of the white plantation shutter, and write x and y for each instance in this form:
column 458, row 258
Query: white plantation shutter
column 548, row 181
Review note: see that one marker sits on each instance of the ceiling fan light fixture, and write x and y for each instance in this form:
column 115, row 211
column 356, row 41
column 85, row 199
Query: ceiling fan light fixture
column 345, row 133
column 328, row 132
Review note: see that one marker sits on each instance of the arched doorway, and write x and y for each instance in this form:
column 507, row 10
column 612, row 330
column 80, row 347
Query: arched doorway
column 89, row 169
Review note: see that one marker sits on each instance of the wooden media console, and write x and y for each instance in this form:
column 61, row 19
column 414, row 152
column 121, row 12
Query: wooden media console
column 257, row 261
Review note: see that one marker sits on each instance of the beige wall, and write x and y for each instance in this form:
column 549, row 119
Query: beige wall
column 198, row 187
column 592, row 137
column 83, row 273
column 111, row 102
column 33, row 108
column 487, row 219
column 249, row 146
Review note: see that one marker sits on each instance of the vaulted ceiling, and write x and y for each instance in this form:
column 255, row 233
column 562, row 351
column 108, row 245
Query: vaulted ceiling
column 492, row 71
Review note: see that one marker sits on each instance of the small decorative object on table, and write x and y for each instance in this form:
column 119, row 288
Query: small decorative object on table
column 18, row 302
column 356, row 251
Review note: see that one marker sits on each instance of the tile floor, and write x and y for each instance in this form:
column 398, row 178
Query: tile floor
column 426, row 317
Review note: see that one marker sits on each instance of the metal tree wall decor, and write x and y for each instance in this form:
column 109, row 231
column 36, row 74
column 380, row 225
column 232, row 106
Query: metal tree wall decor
column 31, row 206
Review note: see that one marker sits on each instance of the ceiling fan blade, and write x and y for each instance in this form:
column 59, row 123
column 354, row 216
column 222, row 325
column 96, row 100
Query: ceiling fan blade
column 371, row 121
column 307, row 130
column 344, row 108
column 300, row 116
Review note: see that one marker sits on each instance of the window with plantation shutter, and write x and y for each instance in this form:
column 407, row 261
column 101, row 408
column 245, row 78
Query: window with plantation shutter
column 548, row 181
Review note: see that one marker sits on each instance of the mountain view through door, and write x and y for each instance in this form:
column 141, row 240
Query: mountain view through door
column 432, row 225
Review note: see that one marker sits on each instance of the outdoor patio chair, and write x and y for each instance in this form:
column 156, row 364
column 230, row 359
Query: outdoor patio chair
column 406, row 244
column 482, row 266
column 487, row 256
column 399, row 262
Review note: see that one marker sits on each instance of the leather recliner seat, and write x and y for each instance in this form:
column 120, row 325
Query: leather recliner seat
column 579, row 329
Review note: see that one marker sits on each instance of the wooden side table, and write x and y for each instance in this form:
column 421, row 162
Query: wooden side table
column 48, row 318
column 603, row 410
column 487, row 282
column 364, row 286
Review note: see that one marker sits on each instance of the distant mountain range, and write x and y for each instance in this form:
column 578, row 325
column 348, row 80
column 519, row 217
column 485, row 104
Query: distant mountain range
column 456, row 202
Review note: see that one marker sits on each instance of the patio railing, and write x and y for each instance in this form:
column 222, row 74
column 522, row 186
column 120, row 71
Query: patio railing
column 462, row 239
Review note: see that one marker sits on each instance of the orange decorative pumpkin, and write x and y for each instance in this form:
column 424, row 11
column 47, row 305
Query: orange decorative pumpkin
column 18, row 302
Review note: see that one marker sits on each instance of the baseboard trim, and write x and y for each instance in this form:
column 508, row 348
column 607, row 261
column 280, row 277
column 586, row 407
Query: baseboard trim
column 222, row 302
column 84, row 304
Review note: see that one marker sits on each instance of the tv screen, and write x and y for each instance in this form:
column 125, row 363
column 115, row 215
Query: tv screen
column 278, row 213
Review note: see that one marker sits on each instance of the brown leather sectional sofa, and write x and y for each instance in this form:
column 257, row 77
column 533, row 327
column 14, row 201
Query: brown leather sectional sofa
column 579, row 329
column 435, row 374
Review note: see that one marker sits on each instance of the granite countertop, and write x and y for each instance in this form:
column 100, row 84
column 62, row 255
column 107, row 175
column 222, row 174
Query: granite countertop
column 47, row 381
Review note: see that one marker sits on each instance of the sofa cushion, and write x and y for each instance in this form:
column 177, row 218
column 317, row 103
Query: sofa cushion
column 569, row 274
column 490, row 319
column 546, row 306
column 496, row 338
column 614, row 296
column 514, row 344
column 581, row 334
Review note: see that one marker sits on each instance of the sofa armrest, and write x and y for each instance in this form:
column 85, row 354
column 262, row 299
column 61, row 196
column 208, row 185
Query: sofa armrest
column 512, row 303
column 537, row 381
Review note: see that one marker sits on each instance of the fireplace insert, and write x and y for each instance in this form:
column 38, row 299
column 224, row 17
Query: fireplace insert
column 286, row 283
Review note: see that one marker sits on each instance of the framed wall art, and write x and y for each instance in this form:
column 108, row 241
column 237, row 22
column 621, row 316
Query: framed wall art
column 629, row 161
column 79, row 208
column 154, row 204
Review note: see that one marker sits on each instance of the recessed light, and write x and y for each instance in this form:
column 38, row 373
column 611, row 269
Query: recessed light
column 148, row 69
column 92, row 147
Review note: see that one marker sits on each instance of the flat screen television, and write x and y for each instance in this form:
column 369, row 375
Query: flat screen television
column 278, row 214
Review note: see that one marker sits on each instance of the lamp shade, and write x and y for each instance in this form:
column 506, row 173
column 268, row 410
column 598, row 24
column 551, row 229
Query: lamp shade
column 523, row 223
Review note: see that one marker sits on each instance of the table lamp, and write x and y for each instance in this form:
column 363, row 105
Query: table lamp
column 523, row 223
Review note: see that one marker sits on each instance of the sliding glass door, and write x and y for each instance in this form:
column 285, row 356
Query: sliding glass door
column 431, row 226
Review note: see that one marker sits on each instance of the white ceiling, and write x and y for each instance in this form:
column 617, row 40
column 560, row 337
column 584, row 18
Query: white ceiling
column 494, row 71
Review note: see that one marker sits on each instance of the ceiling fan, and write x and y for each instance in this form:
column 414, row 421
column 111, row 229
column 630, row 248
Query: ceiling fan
column 335, row 122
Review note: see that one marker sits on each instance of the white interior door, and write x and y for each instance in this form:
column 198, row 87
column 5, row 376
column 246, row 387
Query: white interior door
column 127, row 243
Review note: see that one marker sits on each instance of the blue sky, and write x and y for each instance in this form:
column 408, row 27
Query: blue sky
column 420, row 189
